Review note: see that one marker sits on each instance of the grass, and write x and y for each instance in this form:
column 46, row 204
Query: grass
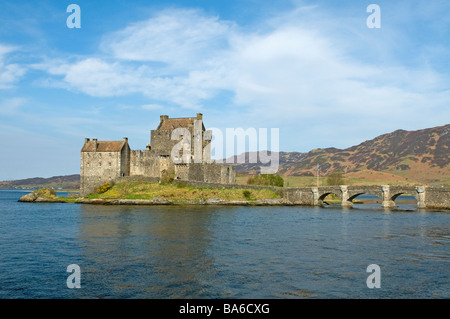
column 360, row 178
column 181, row 193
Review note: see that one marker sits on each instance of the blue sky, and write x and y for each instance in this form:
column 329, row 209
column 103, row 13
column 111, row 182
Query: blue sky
column 313, row 69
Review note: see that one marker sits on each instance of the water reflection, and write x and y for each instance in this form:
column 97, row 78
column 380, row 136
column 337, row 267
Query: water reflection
column 263, row 252
column 156, row 247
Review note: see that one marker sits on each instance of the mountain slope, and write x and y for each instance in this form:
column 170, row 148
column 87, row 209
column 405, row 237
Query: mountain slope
column 421, row 156
column 66, row 182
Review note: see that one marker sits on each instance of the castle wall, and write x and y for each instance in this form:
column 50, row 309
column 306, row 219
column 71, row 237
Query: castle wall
column 196, row 172
column 125, row 159
column 182, row 172
column 98, row 168
column 161, row 142
column 146, row 163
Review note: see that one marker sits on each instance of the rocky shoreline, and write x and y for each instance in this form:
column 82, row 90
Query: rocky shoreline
column 163, row 201
column 159, row 201
column 48, row 196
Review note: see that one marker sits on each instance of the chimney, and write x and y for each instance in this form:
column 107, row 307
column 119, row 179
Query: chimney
column 125, row 139
column 199, row 116
column 95, row 144
column 86, row 140
column 164, row 117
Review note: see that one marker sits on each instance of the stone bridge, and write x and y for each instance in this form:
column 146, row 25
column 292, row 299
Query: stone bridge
column 426, row 197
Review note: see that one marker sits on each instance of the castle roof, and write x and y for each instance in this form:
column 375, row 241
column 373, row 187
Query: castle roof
column 103, row 146
column 173, row 123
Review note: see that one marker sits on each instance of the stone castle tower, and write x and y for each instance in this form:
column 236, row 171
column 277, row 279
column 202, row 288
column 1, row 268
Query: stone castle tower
column 181, row 145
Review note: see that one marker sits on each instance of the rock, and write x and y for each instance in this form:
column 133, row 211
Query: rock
column 273, row 201
column 215, row 201
column 31, row 197
column 41, row 195
column 160, row 200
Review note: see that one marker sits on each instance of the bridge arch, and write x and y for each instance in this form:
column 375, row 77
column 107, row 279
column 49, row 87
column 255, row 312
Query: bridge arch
column 437, row 197
column 414, row 194
column 377, row 200
column 397, row 194
column 322, row 197
column 353, row 196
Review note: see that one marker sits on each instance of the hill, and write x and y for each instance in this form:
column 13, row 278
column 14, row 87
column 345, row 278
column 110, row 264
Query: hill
column 407, row 157
column 56, row 182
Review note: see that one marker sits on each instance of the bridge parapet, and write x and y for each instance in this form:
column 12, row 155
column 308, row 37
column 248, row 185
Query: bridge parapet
column 426, row 197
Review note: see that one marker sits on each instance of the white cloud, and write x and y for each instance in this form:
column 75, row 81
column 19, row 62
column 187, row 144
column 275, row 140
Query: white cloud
column 175, row 37
column 9, row 73
column 151, row 107
column 285, row 74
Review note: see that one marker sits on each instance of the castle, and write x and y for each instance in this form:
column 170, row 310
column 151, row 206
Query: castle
column 181, row 146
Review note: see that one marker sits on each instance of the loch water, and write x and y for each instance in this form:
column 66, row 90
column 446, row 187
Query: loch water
column 164, row 252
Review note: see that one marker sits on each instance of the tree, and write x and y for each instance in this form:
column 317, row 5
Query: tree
column 167, row 176
column 335, row 178
column 266, row 180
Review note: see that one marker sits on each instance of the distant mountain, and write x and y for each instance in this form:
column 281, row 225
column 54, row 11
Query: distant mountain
column 421, row 156
column 56, row 182
column 245, row 167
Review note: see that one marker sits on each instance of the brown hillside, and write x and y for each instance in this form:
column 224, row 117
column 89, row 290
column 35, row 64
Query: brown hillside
column 411, row 156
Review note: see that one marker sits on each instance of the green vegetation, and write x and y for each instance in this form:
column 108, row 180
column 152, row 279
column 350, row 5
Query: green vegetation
column 180, row 192
column 247, row 194
column 167, row 176
column 332, row 199
column 367, row 179
column 335, row 178
column 46, row 192
column 46, row 195
column 266, row 180
column 104, row 188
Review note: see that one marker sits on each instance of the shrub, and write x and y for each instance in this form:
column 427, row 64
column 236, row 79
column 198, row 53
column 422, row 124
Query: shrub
column 247, row 194
column 46, row 192
column 104, row 188
column 335, row 178
column 167, row 176
column 266, row 180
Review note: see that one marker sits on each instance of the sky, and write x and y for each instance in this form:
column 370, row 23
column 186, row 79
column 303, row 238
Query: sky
column 312, row 69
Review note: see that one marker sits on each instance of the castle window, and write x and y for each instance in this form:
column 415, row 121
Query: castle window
column 100, row 155
column 110, row 154
column 89, row 155
column 100, row 164
column 109, row 164
column 88, row 165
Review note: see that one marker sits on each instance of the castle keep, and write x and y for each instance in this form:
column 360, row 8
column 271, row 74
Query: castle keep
column 178, row 145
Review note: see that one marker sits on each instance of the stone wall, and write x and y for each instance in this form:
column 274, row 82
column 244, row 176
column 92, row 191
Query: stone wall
column 182, row 171
column 137, row 179
column 161, row 142
column 437, row 197
column 146, row 163
column 98, row 168
column 125, row 159
column 299, row 196
column 196, row 172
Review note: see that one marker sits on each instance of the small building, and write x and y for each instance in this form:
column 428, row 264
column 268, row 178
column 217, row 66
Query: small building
column 103, row 161
column 178, row 145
